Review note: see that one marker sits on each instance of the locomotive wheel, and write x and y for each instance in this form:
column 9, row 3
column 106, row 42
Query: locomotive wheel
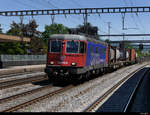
column 77, row 79
column 97, row 72
column 86, row 76
column 80, row 78
column 50, row 78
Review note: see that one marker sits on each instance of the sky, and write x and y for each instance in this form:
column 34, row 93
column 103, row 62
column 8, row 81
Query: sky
column 136, row 23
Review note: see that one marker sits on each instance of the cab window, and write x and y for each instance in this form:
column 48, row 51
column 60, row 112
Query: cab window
column 72, row 46
column 55, row 46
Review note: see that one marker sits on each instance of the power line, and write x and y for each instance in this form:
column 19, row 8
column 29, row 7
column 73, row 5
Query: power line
column 100, row 18
column 141, row 23
column 24, row 4
column 73, row 19
column 138, row 17
column 118, row 35
column 75, row 2
column 109, row 27
column 131, row 3
column 51, row 4
column 41, row 3
column 132, row 16
column 76, row 11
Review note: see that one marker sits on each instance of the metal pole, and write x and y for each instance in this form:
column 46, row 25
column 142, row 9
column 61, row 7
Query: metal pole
column 85, row 17
column 109, row 23
column 21, row 23
column 52, row 18
column 123, row 41
column 123, row 18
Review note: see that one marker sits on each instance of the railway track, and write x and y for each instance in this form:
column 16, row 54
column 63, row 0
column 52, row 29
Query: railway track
column 15, row 74
column 95, row 105
column 25, row 104
column 6, row 99
column 34, row 100
column 134, row 92
column 22, row 81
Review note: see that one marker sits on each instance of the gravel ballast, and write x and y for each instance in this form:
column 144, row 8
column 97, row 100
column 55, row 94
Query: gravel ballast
column 79, row 97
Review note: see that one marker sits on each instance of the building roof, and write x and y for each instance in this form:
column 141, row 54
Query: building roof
column 10, row 38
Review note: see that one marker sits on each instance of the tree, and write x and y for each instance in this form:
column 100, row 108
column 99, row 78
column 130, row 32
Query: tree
column 53, row 29
column 87, row 29
column 12, row 47
column 36, row 45
column 0, row 29
column 15, row 29
column 107, row 41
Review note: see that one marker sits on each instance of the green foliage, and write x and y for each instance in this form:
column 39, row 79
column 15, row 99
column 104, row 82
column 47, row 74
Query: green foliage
column 139, row 53
column 38, row 44
column 23, row 30
column 88, row 29
column 53, row 29
column 0, row 29
column 11, row 48
column 128, row 45
column 15, row 29
column 107, row 40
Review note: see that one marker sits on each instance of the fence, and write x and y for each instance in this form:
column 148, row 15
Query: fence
column 143, row 59
column 16, row 60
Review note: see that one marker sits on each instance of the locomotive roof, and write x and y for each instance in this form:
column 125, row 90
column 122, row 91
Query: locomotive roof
column 75, row 37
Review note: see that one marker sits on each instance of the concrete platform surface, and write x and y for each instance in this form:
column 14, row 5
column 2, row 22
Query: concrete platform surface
column 21, row 69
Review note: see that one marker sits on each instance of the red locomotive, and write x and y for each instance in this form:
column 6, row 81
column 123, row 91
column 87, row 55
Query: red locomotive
column 72, row 57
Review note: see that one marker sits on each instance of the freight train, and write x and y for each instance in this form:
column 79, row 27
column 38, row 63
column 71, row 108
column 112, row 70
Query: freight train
column 74, row 57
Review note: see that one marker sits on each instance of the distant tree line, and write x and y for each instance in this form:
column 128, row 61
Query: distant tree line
column 0, row 29
column 39, row 40
column 38, row 44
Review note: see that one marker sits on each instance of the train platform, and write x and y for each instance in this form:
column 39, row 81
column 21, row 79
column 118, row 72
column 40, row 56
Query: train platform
column 22, row 69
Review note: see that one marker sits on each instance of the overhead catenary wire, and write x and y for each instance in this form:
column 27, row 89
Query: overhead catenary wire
column 138, row 17
column 25, row 4
column 50, row 3
column 75, row 3
column 42, row 4
column 66, row 16
column 104, row 22
column 132, row 16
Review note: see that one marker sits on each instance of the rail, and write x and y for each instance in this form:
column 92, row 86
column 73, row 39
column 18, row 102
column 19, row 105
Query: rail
column 96, row 103
column 15, row 108
column 22, row 81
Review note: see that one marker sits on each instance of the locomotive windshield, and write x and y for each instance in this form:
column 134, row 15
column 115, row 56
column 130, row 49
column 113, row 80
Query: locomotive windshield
column 72, row 47
column 55, row 46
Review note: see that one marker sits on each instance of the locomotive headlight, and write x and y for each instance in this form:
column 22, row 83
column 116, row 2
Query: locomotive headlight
column 51, row 62
column 73, row 64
